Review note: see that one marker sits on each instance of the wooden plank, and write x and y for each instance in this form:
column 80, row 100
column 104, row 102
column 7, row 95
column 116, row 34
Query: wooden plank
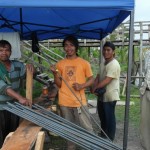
column 23, row 138
column 124, row 87
column 8, row 136
column 29, row 84
column 40, row 141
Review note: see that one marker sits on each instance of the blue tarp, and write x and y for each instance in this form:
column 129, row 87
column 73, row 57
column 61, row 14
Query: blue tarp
column 51, row 19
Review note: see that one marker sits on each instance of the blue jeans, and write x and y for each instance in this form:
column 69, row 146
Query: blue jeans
column 106, row 112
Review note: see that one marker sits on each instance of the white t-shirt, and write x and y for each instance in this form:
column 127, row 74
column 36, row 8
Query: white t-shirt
column 112, row 69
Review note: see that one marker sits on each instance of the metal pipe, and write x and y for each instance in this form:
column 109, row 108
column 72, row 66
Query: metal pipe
column 86, row 134
column 69, row 129
column 69, row 133
column 55, row 129
column 126, row 118
column 40, row 123
column 50, row 114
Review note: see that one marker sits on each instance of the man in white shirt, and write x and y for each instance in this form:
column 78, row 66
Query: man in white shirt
column 108, row 79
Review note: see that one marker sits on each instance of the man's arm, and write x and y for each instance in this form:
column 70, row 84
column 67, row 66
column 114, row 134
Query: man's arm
column 57, row 77
column 103, row 83
column 95, row 83
column 88, row 83
column 10, row 92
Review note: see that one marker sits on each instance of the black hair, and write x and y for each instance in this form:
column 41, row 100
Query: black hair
column 73, row 40
column 109, row 44
column 3, row 43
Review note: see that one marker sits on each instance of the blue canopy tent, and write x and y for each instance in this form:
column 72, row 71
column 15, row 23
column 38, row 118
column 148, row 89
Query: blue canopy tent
column 54, row 19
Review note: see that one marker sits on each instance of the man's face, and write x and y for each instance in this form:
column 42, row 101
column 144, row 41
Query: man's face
column 108, row 52
column 69, row 49
column 5, row 53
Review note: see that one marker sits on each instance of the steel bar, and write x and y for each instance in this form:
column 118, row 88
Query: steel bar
column 40, row 123
column 26, row 107
column 71, row 131
column 76, row 131
column 85, row 132
column 61, row 127
column 67, row 136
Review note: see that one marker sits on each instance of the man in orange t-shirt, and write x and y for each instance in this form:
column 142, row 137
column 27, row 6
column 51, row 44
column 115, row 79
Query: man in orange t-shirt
column 77, row 75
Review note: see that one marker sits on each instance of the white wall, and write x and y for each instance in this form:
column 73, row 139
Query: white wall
column 14, row 39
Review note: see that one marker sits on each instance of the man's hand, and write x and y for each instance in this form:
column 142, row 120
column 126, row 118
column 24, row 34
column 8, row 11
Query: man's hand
column 30, row 67
column 77, row 86
column 24, row 101
column 92, row 90
column 53, row 69
column 57, row 76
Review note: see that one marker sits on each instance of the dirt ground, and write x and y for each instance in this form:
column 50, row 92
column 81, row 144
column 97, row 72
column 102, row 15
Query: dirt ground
column 133, row 137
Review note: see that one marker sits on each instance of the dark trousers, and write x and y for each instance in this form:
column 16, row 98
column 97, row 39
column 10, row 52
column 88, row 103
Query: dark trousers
column 106, row 112
column 8, row 123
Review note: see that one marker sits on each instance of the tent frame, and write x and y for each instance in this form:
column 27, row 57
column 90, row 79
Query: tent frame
column 130, row 57
column 9, row 24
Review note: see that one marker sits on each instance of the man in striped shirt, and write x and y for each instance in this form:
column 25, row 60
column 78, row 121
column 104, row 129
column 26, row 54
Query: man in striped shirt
column 11, row 73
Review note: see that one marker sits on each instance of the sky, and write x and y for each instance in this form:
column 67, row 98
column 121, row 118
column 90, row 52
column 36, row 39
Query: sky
column 142, row 10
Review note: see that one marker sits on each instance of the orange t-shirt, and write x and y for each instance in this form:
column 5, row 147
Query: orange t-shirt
column 75, row 70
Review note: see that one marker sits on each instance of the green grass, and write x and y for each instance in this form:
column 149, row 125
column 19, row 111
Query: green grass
column 134, row 110
column 91, row 96
column 134, row 113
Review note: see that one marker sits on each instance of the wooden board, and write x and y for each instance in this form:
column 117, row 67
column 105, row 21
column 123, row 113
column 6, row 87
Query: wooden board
column 40, row 141
column 29, row 84
column 23, row 138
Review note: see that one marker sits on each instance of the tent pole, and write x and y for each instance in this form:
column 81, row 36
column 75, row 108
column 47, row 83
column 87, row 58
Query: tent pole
column 141, row 53
column 101, row 58
column 21, row 24
column 130, row 53
column 100, row 53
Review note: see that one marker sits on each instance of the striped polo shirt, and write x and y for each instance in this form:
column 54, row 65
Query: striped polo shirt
column 16, row 73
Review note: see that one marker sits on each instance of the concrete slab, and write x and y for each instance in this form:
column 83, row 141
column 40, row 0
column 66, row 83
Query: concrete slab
column 92, row 110
column 94, row 103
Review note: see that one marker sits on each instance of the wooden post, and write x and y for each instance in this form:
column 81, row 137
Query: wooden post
column 141, row 53
column 40, row 141
column 124, row 87
column 29, row 84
